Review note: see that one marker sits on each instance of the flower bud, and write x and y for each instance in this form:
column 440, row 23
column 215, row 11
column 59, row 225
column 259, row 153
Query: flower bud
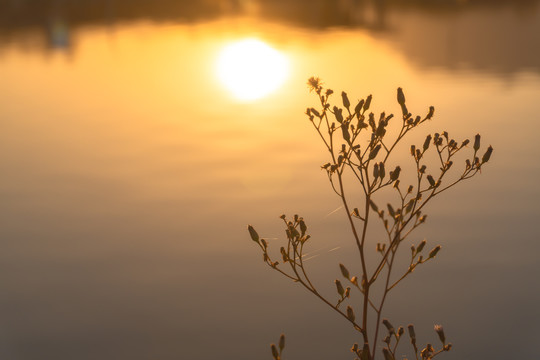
column 394, row 175
column 412, row 334
column 373, row 153
column 388, row 326
column 387, row 354
column 476, row 145
column 430, row 113
column 344, row 271
column 439, row 330
column 350, row 314
column 421, row 246
column 345, row 99
column 275, row 352
column 427, row 142
column 431, row 180
column 401, row 101
column 367, row 103
column 400, row 96
column 391, row 210
column 303, row 227
column 376, row 171
column 381, row 170
column 359, row 106
column 371, row 121
column 253, row 234
column 338, row 114
column 339, row 288
column 281, row 342
column 434, row 252
column 487, row 155
column 373, row 206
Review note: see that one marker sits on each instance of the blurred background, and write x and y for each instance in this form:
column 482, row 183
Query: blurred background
column 139, row 138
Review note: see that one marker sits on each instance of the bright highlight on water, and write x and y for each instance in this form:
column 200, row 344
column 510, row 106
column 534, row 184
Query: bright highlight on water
column 250, row 69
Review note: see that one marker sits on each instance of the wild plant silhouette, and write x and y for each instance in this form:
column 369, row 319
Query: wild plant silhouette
column 360, row 149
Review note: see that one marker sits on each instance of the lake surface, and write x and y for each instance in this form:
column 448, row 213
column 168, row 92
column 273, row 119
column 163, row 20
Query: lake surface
column 130, row 169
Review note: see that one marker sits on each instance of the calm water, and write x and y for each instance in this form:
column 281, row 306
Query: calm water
column 129, row 172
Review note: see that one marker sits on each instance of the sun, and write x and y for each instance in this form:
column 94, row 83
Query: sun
column 251, row 69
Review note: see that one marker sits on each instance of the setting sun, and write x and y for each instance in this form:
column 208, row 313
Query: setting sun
column 250, row 69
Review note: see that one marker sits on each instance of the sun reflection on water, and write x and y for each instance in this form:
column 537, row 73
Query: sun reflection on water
column 251, row 69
